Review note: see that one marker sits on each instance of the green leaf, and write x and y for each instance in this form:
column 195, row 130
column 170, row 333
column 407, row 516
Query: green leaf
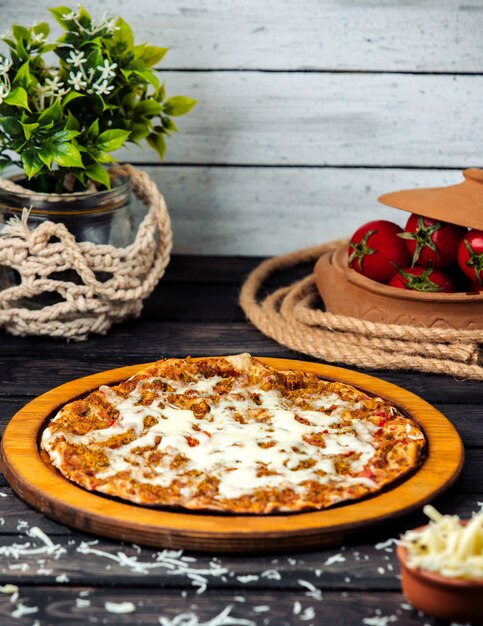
column 52, row 114
column 66, row 155
column 59, row 13
column 28, row 129
column 80, row 176
column 94, row 58
column 21, row 33
column 97, row 41
column 46, row 157
column 93, row 130
column 129, row 101
column 49, row 47
column 150, row 54
column 10, row 42
column 179, row 105
column 156, row 141
column 148, row 107
column 18, row 97
column 140, row 131
column 123, row 37
column 11, row 126
column 72, row 95
column 31, row 162
column 169, row 125
column 102, row 157
column 62, row 136
column 148, row 77
column 79, row 146
column 99, row 174
column 48, row 126
column 21, row 51
column 72, row 122
column 111, row 140
column 23, row 78
column 84, row 17
column 41, row 29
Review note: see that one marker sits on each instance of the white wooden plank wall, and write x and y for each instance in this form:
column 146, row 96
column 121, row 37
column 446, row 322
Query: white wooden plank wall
column 307, row 110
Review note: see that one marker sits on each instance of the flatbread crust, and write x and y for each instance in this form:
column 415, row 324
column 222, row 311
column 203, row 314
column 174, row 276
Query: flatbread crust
column 235, row 435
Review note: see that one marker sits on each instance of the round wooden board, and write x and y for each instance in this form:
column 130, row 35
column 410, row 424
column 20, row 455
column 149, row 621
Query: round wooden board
column 42, row 486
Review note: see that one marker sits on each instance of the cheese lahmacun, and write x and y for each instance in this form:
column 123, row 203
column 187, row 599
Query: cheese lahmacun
column 232, row 434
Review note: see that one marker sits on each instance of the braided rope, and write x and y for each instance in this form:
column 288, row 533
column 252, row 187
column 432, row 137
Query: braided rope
column 92, row 306
column 293, row 316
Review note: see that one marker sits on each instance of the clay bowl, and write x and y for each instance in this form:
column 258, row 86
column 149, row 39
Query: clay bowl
column 346, row 292
column 453, row 599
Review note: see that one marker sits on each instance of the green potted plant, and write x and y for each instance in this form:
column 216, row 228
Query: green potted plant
column 65, row 107
column 61, row 123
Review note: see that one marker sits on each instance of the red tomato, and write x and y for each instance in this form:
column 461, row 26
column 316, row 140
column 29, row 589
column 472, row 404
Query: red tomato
column 373, row 249
column 422, row 279
column 431, row 241
column 470, row 256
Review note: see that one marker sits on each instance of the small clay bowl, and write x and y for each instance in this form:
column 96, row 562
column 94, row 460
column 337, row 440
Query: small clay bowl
column 453, row 599
column 346, row 292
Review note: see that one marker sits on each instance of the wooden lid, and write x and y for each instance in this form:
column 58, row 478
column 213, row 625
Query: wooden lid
column 460, row 204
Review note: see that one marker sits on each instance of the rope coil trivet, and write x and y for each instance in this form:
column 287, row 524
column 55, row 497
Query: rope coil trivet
column 92, row 306
column 293, row 316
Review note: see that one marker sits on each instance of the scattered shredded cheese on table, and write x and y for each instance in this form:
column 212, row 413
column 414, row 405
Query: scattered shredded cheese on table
column 119, row 607
column 446, row 546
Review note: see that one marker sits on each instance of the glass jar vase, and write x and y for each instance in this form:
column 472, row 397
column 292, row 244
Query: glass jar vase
column 101, row 217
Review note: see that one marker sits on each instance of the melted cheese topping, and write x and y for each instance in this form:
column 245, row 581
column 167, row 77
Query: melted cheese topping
column 249, row 439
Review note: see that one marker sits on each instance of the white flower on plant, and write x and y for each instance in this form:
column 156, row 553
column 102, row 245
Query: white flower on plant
column 62, row 92
column 41, row 90
column 4, row 91
column 71, row 16
column 77, row 59
column 110, row 24
column 77, row 81
column 53, row 85
column 102, row 88
column 5, row 65
column 38, row 38
column 106, row 70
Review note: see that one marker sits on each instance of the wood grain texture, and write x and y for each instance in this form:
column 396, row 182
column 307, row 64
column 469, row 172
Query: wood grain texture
column 352, row 589
column 140, row 340
column 266, row 118
column 43, row 487
column 303, row 111
column 427, row 36
column 58, row 607
column 230, row 210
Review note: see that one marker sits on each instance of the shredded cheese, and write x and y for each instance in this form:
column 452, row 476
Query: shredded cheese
column 119, row 607
column 446, row 546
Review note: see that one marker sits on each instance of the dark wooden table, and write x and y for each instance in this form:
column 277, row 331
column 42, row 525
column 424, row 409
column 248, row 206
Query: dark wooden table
column 66, row 577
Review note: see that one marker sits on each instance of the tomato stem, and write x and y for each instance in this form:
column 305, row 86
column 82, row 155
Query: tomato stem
column 475, row 261
column 423, row 237
column 421, row 282
column 361, row 249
